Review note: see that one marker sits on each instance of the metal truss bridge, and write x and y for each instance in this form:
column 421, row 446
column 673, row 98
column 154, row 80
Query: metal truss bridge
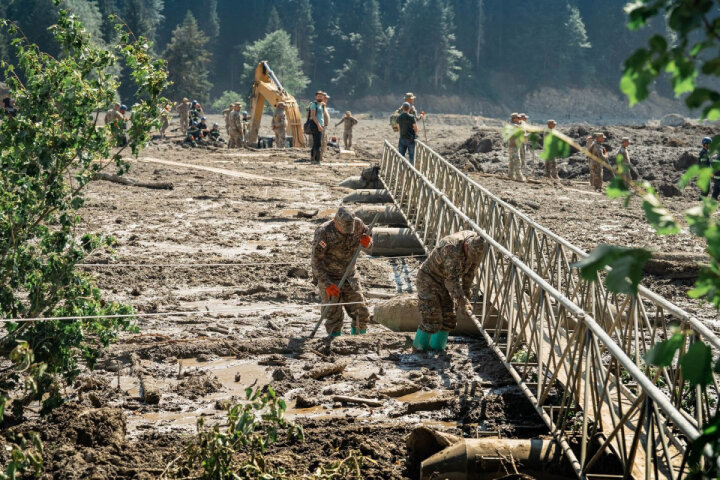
column 574, row 348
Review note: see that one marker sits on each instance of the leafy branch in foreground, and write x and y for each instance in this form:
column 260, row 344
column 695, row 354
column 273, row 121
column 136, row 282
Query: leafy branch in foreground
column 49, row 152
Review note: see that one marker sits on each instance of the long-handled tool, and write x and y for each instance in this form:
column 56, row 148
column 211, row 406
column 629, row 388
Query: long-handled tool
column 342, row 280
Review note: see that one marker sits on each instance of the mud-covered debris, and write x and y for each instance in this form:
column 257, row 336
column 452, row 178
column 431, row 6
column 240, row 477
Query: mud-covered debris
column 298, row 272
column 370, row 402
column 281, row 374
column 425, row 442
column 326, row 369
column 304, row 401
column 87, row 383
column 273, row 361
column 306, row 214
column 400, row 390
column 430, row 404
column 197, row 383
column 684, row 161
column 74, row 425
column 253, row 290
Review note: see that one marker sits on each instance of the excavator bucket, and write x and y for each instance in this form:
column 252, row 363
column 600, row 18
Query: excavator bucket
column 267, row 88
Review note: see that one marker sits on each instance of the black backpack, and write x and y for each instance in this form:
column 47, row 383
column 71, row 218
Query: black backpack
column 310, row 127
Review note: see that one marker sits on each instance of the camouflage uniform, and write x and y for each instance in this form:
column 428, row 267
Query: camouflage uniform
column 184, row 113
column 596, row 170
column 551, row 170
column 348, row 123
column 525, row 145
column 332, row 252
column 326, row 123
column 279, row 124
column 445, row 279
column 235, row 130
column 165, row 122
column 514, row 156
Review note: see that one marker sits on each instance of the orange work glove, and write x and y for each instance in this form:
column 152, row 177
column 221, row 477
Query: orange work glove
column 365, row 241
column 333, row 291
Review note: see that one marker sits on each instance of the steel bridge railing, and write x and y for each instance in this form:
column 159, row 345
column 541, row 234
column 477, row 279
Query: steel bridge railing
column 636, row 322
column 580, row 374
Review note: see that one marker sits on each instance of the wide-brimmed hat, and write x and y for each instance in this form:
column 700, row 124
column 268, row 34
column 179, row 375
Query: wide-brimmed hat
column 345, row 220
column 409, row 95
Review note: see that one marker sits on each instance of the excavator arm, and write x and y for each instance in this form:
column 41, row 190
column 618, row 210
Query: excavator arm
column 267, row 87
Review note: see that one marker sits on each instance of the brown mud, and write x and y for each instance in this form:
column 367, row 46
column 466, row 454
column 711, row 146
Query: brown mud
column 253, row 318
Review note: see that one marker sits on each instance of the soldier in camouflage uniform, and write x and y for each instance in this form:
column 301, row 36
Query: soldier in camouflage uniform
column 627, row 166
column 551, row 170
column 279, row 124
column 334, row 245
column 235, row 127
column 514, row 147
column 444, row 285
column 523, row 123
column 184, row 112
column 164, row 120
column 596, row 170
column 349, row 122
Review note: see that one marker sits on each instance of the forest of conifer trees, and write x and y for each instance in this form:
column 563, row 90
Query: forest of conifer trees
column 486, row 49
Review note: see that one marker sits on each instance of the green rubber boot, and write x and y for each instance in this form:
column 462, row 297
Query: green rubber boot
column 422, row 340
column 355, row 331
column 335, row 334
column 438, row 341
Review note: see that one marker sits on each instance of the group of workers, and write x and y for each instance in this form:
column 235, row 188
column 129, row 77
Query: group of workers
column 518, row 151
column 444, row 281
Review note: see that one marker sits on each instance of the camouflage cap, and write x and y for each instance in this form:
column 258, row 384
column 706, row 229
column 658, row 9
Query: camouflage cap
column 523, row 115
column 625, row 139
column 185, row 100
column 409, row 95
column 599, row 135
column 345, row 220
column 514, row 115
column 476, row 244
column 348, row 113
column 552, row 121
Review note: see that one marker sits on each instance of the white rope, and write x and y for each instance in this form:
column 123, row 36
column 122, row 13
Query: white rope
column 180, row 313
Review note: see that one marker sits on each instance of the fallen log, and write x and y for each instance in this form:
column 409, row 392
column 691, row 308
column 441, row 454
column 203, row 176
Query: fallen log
column 676, row 264
column 149, row 392
column 323, row 370
column 428, row 405
column 400, row 390
column 364, row 401
column 108, row 177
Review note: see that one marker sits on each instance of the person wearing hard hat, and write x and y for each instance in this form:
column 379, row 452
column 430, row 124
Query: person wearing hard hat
column 279, row 125
column 333, row 248
column 705, row 161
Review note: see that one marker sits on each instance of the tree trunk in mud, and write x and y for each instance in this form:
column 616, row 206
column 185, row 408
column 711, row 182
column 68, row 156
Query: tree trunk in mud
column 149, row 392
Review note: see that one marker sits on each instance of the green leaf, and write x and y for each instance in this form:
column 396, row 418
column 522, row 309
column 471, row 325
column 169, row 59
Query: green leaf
column 617, row 188
column 659, row 217
column 661, row 354
column 626, row 266
column 554, row 147
column 696, row 364
column 689, row 175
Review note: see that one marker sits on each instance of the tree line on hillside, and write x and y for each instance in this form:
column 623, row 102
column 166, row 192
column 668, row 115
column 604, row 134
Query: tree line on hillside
column 357, row 48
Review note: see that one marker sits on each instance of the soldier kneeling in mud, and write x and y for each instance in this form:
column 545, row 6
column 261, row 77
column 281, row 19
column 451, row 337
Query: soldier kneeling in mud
column 334, row 246
column 444, row 285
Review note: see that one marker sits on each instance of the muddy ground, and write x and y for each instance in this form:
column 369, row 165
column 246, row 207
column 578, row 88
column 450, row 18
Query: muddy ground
column 241, row 207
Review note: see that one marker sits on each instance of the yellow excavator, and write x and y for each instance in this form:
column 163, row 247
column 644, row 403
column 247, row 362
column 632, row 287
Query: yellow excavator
column 267, row 87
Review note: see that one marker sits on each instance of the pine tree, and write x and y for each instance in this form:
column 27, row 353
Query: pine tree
column 188, row 61
column 107, row 8
column 89, row 14
column 303, row 31
column 273, row 24
column 143, row 17
column 283, row 58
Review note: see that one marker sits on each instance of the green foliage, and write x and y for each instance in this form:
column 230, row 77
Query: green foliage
column 662, row 353
column 251, row 428
column 25, row 458
column 283, row 58
column 222, row 102
column 48, row 154
column 188, row 60
column 554, row 147
column 626, row 264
